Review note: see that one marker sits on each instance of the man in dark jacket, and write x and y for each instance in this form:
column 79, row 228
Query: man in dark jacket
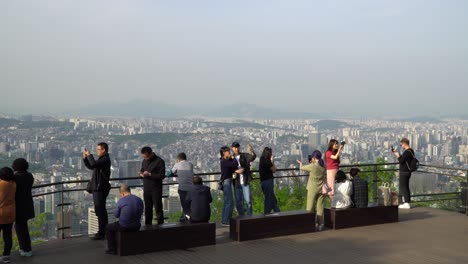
column 99, row 185
column 242, row 180
column 405, row 174
column 153, row 170
column 24, row 205
column 200, row 199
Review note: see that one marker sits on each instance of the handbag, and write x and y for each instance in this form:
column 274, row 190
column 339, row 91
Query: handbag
column 385, row 195
column 395, row 201
column 90, row 186
column 221, row 185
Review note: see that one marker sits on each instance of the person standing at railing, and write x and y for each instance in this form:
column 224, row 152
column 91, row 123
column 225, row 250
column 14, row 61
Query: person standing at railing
column 405, row 173
column 242, row 181
column 24, row 205
column 332, row 157
column 7, row 210
column 266, row 169
column 99, row 185
column 229, row 166
column 317, row 179
column 128, row 210
column 183, row 169
column 153, row 170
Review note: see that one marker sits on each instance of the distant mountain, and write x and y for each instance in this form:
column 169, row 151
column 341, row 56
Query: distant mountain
column 330, row 124
column 142, row 108
column 421, row 119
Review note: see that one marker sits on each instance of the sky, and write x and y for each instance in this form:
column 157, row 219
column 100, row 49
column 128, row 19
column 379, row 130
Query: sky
column 359, row 57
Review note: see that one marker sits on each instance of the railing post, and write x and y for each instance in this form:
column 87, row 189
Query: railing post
column 376, row 194
column 466, row 193
column 62, row 214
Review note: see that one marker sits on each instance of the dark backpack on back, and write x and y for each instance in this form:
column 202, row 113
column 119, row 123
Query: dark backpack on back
column 413, row 165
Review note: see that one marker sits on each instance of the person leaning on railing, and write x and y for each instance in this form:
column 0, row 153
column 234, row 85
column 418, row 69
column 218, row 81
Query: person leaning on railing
column 183, row 169
column 315, row 197
column 7, row 210
column 24, row 205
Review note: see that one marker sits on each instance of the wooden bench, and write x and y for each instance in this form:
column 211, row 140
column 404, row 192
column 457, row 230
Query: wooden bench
column 265, row 226
column 165, row 237
column 354, row 217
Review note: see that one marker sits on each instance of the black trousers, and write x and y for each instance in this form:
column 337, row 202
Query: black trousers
column 7, row 230
column 184, row 202
column 111, row 229
column 404, row 186
column 22, row 232
column 152, row 199
column 100, row 210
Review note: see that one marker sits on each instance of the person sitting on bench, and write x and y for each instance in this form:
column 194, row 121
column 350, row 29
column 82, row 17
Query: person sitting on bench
column 343, row 191
column 200, row 199
column 129, row 210
column 360, row 189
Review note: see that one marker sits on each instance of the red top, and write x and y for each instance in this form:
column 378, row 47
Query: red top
column 332, row 164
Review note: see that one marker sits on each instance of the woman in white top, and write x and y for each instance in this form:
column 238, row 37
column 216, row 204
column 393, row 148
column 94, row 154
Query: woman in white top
column 343, row 191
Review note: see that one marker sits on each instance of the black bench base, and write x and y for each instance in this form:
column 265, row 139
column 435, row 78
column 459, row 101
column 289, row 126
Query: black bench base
column 265, row 226
column 165, row 237
column 354, row 217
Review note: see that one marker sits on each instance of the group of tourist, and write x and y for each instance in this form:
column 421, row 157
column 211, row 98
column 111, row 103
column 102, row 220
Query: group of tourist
column 16, row 207
column 326, row 181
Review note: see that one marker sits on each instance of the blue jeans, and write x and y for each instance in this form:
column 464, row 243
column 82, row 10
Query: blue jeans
column 228, row 205
column 270, row 199
column 243, row 193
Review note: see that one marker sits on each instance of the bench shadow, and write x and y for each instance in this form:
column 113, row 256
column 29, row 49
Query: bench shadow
column 410, row 216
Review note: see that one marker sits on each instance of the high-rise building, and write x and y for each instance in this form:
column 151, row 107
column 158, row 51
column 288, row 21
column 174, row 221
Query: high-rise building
column 129, row 168
column 315, row 139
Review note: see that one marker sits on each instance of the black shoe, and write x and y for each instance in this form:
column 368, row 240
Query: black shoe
column 111, row 252
column 97, row 237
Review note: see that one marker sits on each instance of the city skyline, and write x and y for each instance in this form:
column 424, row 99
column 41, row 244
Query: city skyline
column 363, row 58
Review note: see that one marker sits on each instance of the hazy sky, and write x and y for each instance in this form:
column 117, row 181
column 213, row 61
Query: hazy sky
column 318, row 56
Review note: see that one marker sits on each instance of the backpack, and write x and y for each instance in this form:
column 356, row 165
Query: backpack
column 413, row 165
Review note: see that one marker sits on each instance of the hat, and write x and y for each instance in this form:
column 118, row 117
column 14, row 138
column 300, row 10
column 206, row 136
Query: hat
column 235, row 144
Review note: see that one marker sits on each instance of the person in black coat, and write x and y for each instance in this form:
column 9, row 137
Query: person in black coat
column 99, row 185
column 24, row 205
column 153, row 172
column 200, row 199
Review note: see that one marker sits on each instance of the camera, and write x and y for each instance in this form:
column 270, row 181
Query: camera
column 343, row 143
column 393, row 149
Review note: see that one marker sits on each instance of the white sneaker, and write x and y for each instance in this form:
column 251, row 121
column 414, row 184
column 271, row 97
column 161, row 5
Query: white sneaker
column 26, row 253
column 405, row 206
column 5, row 259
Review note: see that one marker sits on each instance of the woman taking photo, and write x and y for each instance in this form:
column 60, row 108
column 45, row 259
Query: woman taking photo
column 266, row 169
column 332, row 156
column 7, row 210
column 316, row 169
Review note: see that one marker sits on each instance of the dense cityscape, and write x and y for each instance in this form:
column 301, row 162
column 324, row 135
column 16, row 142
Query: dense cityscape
column 54, row 147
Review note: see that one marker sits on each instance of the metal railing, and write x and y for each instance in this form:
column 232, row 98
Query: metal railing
column 373, row 169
